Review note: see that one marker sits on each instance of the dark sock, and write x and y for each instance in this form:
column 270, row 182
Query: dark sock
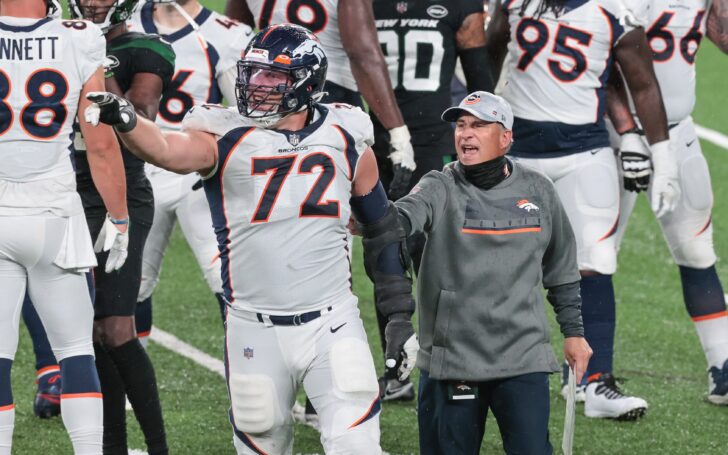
column 222, row 303
column 6, row 391
column 137, row 372
column 44, row 357
column 143, row 317
column 702, row 291
column 114, row 398
column 598, row 313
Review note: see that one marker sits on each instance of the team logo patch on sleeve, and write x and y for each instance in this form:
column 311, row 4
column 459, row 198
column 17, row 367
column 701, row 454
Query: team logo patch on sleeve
column 527, row 206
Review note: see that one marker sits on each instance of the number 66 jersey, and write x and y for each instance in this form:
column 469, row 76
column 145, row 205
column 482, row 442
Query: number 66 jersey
column 44, row 64
column 280, row 206
column 559, row 70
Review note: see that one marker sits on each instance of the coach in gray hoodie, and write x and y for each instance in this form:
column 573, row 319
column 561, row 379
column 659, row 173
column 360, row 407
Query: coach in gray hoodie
column 496, row 233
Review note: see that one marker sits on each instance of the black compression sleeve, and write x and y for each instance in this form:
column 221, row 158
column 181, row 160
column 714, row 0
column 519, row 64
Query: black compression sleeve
column 566, row 301
column 476, row 66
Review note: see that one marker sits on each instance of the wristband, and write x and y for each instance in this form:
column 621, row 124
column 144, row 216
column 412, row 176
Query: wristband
column 119, row 222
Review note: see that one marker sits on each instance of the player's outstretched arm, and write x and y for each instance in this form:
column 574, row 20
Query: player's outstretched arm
column 473, row 55
column 383, row 241
column 181, row 152
column 717, row 24
column 104, row 155
column 359, row 38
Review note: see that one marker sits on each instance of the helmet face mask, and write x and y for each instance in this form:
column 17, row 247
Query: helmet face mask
column 107, row 14
column 282, row 71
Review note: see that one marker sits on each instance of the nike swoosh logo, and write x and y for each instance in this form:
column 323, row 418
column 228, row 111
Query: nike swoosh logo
column 690, row 143
column 334, row 330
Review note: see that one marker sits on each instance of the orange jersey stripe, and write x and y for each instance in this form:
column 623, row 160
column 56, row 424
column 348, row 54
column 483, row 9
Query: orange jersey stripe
column 499, row 232
column 50, row 369
column 708, row 317
column 66, row 396
column 9, row 407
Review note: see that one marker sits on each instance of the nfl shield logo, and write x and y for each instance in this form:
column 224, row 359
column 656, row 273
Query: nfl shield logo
column 402, row 7
column 248, row 353
column 294, row 139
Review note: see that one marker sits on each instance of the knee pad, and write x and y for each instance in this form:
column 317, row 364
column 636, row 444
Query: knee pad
column 697, row 253
column 695, row 183
column 598, row 185
column 254, row 402
column 352, row 368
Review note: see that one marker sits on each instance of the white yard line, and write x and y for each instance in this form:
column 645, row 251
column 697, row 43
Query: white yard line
column 174, row 344
column 719, row 139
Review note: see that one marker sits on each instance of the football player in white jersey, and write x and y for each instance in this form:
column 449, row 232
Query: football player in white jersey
column 674, row 35
column 282, row 181
column 48, row 67
column 208, row 46
column 560, row 54
column 349, row 36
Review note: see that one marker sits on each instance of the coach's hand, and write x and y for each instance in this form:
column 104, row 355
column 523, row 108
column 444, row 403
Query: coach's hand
column 577, row 352
column 402, row 345
column 112, row 110
column 636, row 165
column 665, row 191
column 403, row 161
column 114, row 238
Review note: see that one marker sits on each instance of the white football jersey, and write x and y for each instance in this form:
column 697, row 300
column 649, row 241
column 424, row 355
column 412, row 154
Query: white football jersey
column 280, row 206
column 674, row 31
column 559, row 67
column 322, row 18
column 199, row 62
column 44, row 64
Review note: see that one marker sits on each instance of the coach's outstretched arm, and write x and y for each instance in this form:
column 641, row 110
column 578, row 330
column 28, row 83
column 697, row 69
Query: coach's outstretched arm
column 635, row 60
column 385, row 264
column 177, row 151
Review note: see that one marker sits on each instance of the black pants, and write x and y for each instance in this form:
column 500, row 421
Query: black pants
column 453, row 427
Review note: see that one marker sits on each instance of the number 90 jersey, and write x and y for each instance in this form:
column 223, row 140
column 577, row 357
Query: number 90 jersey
column 559, row 66
column 674, row 32
column 44, row 64
column 280, row 206
column 319, row 16
column 198, row 62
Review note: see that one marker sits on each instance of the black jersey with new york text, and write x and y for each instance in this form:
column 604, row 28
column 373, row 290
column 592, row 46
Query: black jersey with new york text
column 418, row 39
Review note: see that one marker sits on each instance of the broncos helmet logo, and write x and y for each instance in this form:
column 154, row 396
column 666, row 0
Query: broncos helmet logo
column 309, row 47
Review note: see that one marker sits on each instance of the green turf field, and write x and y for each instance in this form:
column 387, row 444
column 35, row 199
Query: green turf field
column 657, row 348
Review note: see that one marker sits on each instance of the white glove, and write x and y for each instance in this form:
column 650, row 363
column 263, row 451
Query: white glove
column 409, row 358
column 403, row 161
column 114, row 241
column 665, row 191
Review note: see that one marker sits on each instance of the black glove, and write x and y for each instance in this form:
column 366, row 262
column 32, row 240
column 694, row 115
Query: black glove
column 399, row 186
column 402, row 345
column 634, row 157
column 112, row 110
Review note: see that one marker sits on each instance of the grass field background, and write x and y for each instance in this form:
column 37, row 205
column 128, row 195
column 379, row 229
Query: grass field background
column 656, row 349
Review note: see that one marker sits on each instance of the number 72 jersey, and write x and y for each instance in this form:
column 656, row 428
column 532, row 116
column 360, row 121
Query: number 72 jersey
column 559, row 66
column 44, row 64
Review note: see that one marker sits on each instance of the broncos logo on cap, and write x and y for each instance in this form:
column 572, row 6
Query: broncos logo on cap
column 472, row 99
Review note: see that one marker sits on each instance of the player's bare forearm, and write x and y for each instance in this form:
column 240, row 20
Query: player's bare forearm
column 473, row 55
column 498, row 35
column 359, row 38
column 104, row 155
column 617, row 102
column 180, row 152
column 239, row 10
column 635, row 60
column 717, row 24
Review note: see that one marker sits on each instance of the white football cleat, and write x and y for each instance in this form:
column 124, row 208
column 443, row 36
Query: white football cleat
column 604, row 400
column 580, row 392
column 718, row 385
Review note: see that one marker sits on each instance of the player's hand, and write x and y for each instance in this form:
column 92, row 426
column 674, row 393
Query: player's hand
column 113, row 238
column 636, row 164
column 665, row 191
column 402, row 345
column 112, row 110
column 403, row 161
column 577, row 352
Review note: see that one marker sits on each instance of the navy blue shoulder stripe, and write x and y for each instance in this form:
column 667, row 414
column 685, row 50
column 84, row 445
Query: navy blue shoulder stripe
column 351, row 155
column 24, row 28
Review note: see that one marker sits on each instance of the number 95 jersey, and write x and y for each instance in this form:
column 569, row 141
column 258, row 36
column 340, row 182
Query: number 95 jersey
column 44, row 64
column 280, row 206
column 560, row 66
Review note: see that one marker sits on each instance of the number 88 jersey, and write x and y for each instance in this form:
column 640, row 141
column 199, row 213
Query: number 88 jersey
column 559, row 66
column 44, row 64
